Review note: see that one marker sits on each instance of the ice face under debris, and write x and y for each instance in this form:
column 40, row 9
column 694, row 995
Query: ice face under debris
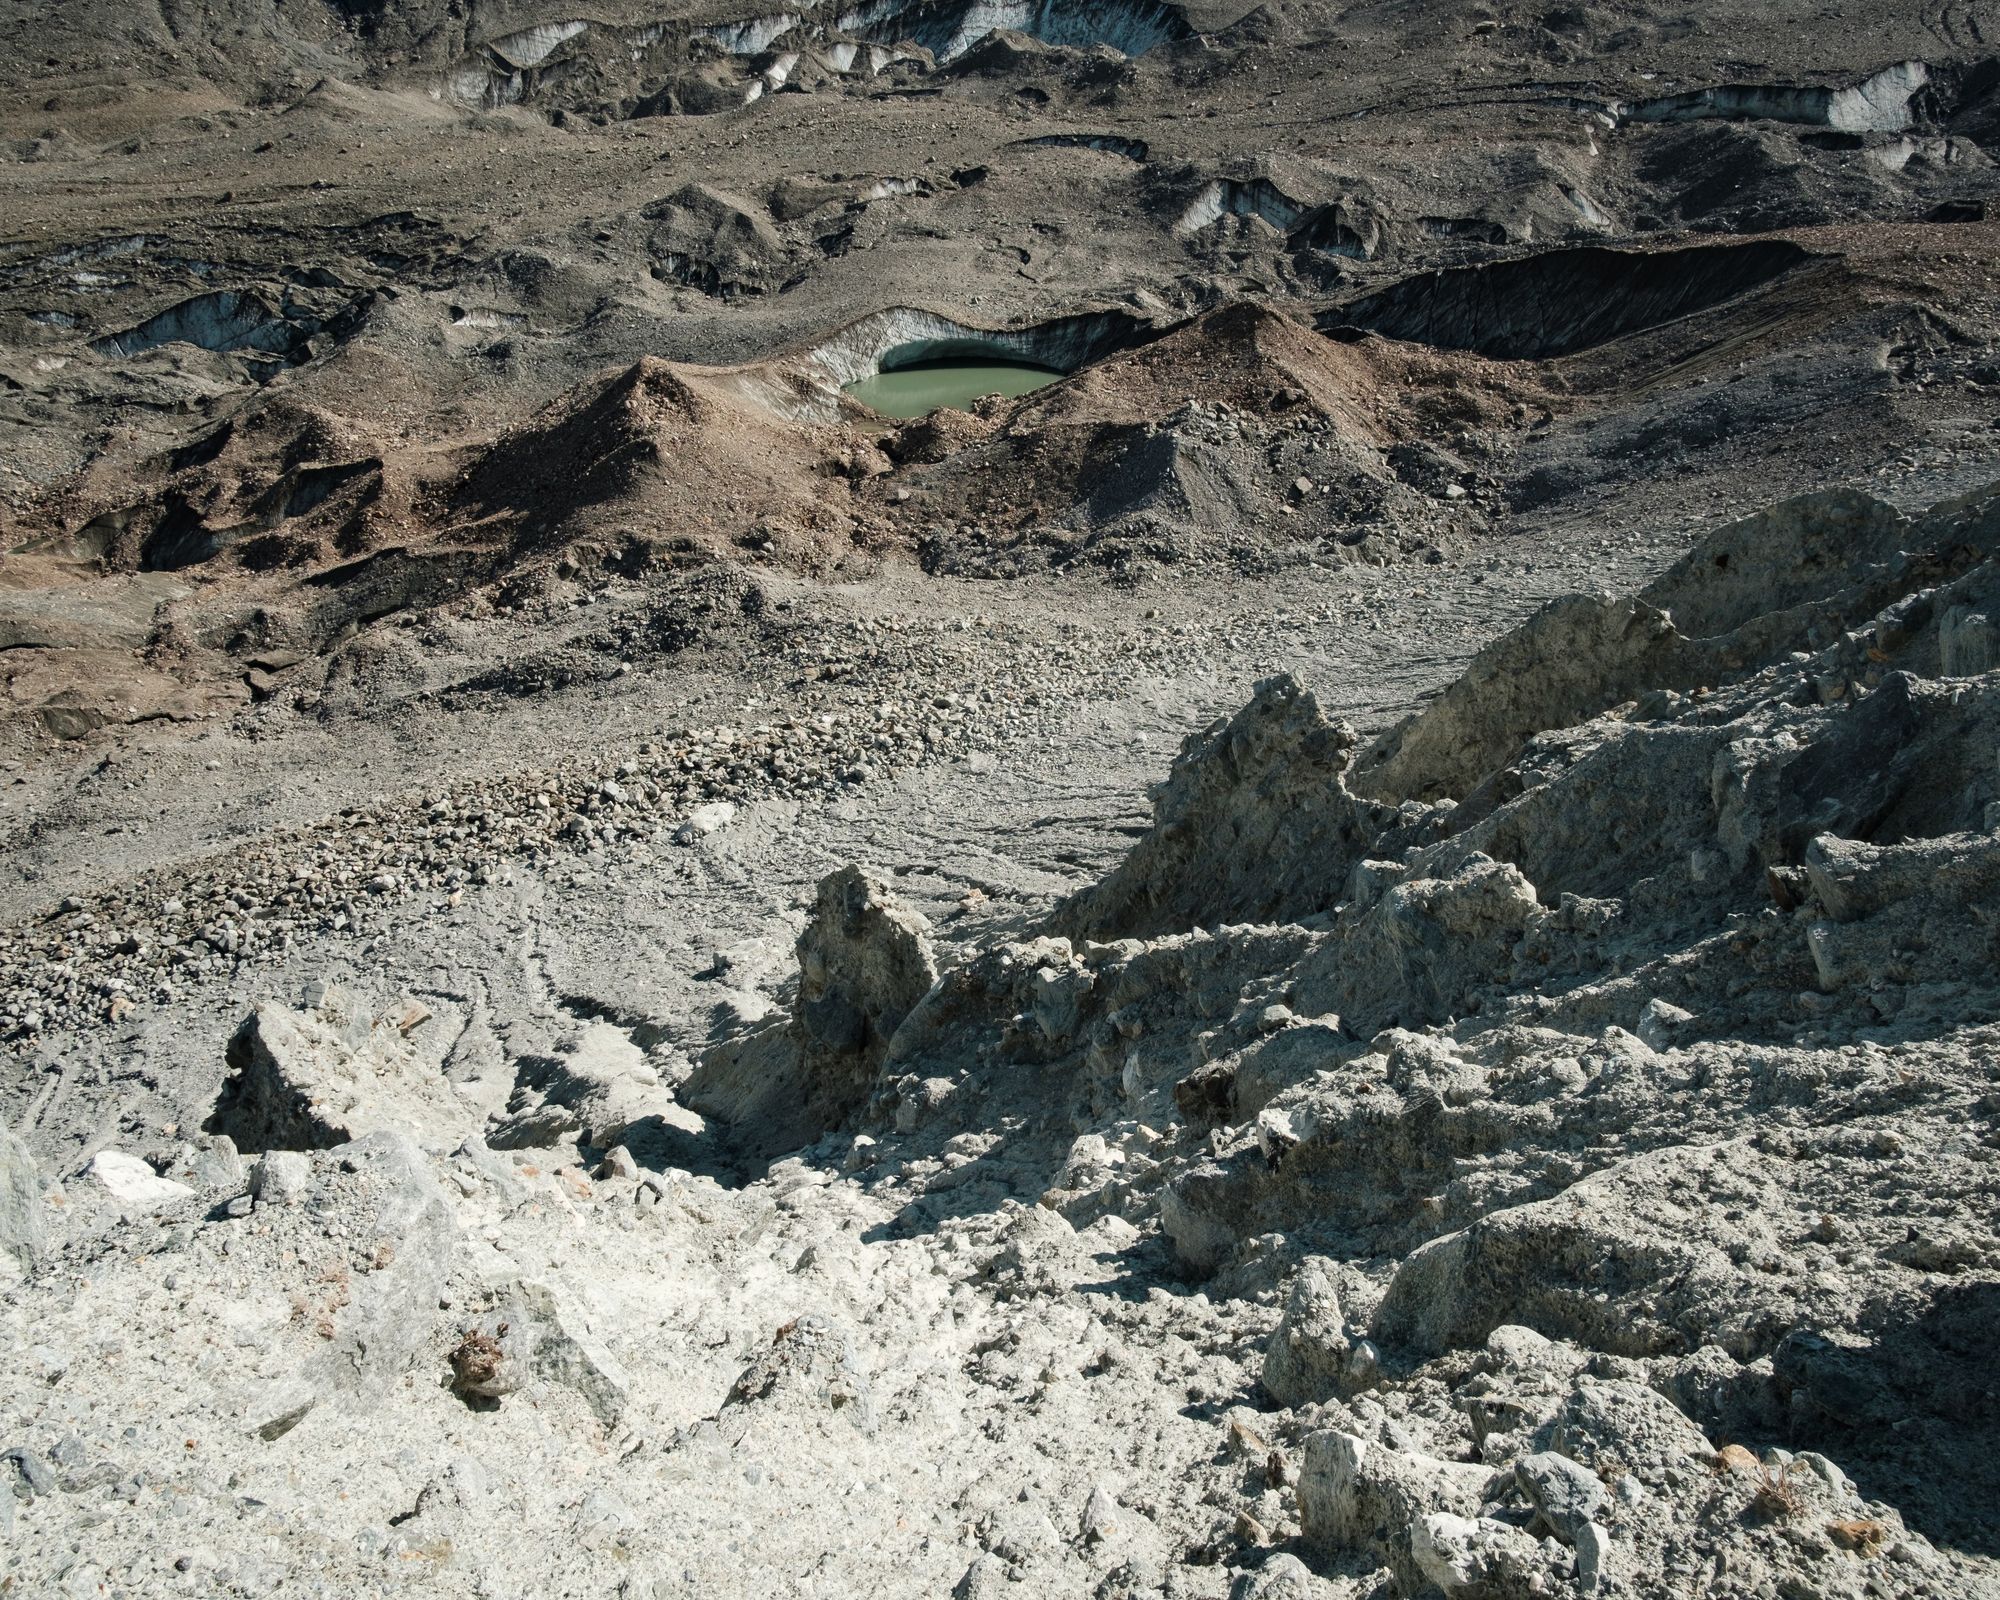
column 532, row 46
column 1226, row 197
column 1131, row 27
column 1880, row 103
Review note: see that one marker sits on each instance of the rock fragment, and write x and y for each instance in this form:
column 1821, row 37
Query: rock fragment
column 1565, row 1495
column 1307, row 1358
column 1354, row 1495
column 310, row 1080
column 133, row 1182
column 865, row 961
column 280, row 1178
column 23, row 1229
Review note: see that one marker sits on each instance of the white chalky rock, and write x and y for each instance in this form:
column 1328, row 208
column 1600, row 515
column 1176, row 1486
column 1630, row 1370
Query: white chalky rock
column 704, row 820
column 129, row 1179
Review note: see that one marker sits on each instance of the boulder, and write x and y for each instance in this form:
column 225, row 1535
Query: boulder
column 1564, row 1494
column 134, row 1183
column 811, row 1368
column 865, row 962
column 1307, row 1358
column 407, row 1231
column 1638, row 1260
column 1477, row 1558
column 1358, row 1496
column 595, row 1091
column 1254, row 824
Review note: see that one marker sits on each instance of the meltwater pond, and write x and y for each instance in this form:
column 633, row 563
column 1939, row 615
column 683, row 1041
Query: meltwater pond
column 920, row 388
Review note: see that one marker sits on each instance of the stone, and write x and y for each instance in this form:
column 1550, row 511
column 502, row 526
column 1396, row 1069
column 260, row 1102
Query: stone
column 33, row 1476
column 1477, row 1558
column 280, row 1178
column 618, row 1163
column 23, row 1227
column 1101, row 1516
column 1255, row 823
column 133, row 1183
column 1283, row 1577
column 276, row 1408
column 1058, row 1000
column 1565, row 1495
column 1623, row 1425
column 597, row 1090
column 1358, row 1496
column 309, row 1080
column 984, row 1579
column 811, row 1365
column 1968, row 643
column 1661, row 1024
column 210, row 1162
column 705, row 820
column 536, row 1333
column 1593, row 1555
column 1039, row 1255
column 865, row 961
column 385, row 1185
column 1307, row 1358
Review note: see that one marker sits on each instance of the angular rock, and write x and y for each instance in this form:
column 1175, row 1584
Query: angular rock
column 1633, row 1260
column 705, row 820
column 411, row 1238
column 535, row 1332
column 594, row 1091
column 1254, row 824
column 1565, row 1495
column 132, row 1182
column 210, row 1162
column 864, row 963
column 1354, row 1495
column 1307, row 1358
column 1662, row 1024
column 810, row 1365
column 1283, row 1577
column 1040, row 1255
column 1623, row 1427
column 315, row 1079
column 1593, row 1557
column 280, row 1178
column 23, row 1228
column 33, row 1476
column 1477, row 1558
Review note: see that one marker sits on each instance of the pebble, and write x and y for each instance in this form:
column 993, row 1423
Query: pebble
column 34, row 1474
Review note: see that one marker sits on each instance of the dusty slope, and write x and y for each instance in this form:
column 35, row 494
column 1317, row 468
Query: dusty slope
column 1610, row 1116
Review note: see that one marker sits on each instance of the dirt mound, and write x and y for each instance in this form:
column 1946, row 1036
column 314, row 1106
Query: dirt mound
column 1565, row 301
column 1241, row 436
column 681, row 459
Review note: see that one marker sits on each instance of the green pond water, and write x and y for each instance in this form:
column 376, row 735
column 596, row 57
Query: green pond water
column 918, row 390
